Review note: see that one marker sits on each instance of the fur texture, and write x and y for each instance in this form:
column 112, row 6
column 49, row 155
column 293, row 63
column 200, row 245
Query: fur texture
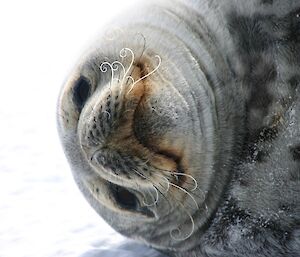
column 223, row 109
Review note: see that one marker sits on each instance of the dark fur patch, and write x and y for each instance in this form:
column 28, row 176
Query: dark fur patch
column 295, row 151
column 294, row 81
column 269, row 2
column 268, row 134
column 249, row 33
column 261, row 156
column 294, row 175
column 293, row 22
column 259, row 76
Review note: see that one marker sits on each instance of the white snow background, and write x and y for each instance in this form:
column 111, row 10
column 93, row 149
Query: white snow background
column 42, row 213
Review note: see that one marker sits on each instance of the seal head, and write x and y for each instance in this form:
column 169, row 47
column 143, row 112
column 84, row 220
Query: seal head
column 141, row 129
column 182, row 127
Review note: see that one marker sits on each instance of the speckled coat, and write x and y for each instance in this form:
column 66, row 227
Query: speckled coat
column 260, row 213
column 236, row 65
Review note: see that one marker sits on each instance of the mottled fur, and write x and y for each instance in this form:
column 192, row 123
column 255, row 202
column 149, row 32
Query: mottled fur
column 235, row 65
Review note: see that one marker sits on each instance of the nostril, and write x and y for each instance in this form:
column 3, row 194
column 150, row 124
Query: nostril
column 124, row 198
column 81, row 92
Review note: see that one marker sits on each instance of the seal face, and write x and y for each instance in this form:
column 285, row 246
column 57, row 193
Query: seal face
column 183, row 131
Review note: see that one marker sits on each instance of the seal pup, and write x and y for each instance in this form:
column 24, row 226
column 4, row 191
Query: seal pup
column 181, row 126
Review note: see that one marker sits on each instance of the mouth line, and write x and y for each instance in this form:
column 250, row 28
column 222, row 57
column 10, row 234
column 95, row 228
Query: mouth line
column 124, row 176
column 177, row 179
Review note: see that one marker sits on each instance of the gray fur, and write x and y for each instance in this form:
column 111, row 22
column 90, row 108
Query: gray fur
column 228, row 95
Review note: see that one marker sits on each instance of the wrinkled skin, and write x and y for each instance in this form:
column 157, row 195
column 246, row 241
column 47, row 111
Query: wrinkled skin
column 197, row 153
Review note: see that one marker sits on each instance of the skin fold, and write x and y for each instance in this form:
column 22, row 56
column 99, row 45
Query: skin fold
column 181, row 125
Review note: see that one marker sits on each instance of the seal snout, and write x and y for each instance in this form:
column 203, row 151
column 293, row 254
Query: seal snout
column 106, row 130
column 111, row 137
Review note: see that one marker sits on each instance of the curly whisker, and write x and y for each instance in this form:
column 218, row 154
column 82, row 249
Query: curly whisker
column 178, row 230
column 123, row 54
column 178, row 174
column 108, row 114
column 156, row 199
column 116, row 65
column 185, row 191
column 166, row 180
column 178, row 187
column 139, row 59
column 147, row 75
column 104, row 68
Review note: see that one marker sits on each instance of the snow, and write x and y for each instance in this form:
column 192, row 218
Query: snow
column 42, row 213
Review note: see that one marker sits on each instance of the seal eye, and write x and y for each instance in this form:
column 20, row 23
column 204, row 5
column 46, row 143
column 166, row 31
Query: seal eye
column 81, row 92
column 124, row 198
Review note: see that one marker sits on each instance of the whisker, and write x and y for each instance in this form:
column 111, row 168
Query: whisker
column 177, row 174
column 139, row 59
column 109, row 116
column 185, row 191
column 147, row 75
column 123, row 54
column 155, row 198
column 166, row 180
column 175, row 234
column 156, row 191
column 178, row 187
column 178, row 230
